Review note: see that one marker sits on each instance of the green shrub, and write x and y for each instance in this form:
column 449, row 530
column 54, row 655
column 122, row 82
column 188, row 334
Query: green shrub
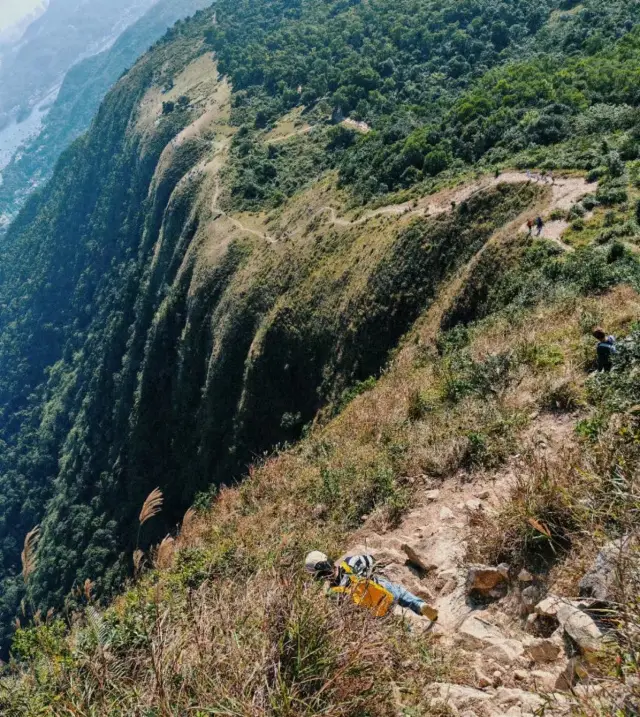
column 610, row 194
column 565, row 396
column 420, row 405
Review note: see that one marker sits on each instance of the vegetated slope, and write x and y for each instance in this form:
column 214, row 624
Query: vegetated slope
column 154, row 333
column 84, row 87
column 51, row 44
column 222, row 618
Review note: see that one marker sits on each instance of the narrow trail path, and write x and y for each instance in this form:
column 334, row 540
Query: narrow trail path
column 490, row 639
column 218, row 212
column 565, row 193
column 283, row 138
column 493, row 641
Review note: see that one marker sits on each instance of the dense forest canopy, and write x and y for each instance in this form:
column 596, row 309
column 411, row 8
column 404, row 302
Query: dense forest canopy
column 93, row 415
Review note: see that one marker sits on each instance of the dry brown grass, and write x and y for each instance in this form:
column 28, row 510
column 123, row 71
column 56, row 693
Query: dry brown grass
column 272, row 646
column 227, row 623
column 28, row 555
column 152, row 506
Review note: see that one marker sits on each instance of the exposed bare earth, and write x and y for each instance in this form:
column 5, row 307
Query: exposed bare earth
column 488, row 639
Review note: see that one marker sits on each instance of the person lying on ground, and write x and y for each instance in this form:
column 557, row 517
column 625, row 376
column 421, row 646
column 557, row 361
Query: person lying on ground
column 363, row 568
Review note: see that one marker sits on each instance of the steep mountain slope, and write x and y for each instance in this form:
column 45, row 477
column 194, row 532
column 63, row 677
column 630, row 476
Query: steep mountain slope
column 200, row 282
column 84, row 87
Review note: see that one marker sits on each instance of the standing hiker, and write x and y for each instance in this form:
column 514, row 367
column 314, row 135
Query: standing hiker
column 529, row 226
column 539, row 225
column 605, row 349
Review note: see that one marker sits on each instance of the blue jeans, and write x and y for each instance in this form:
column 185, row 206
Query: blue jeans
column 402, row 596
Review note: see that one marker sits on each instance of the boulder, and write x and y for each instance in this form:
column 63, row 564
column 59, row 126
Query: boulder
column 582, row 630
column 484, row 582
column 415, row 558
column 599, row 582
column 543, row 650
column 507, row 697
column 550, row 605
column 504, row 652
column 543, row 681
column 459, row 696
column 574, row 672
column 475, row 634
column 579, row 626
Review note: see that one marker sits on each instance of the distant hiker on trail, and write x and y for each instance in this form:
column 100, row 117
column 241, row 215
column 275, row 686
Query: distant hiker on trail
column 355, row 577
column 529, row 226
column 605, row 349
column 539, row 225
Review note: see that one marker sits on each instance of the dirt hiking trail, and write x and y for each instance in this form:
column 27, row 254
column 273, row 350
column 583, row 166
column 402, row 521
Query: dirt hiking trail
column 513, row 670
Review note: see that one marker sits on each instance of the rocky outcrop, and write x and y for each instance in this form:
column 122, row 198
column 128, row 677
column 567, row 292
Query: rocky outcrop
column 599, row 582
column 575, row 623
column 543, row 650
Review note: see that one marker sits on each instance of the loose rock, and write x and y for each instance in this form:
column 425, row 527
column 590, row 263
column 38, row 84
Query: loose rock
column 577, row 624
column 600, row 580
column 530, row 596
column 573, row 673
column 504, row 652
column 475, row 634
column 474, row 505
column 543, row 651
column 432, row 495
column 481, row 679
column 582, row 630
column 543, row 681
column 485, row 582
column 446, row 514
column 415, row 558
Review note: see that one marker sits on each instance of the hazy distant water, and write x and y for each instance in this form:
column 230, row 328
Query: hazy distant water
column 16, row 134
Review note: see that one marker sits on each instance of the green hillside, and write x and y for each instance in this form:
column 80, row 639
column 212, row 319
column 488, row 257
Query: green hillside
column 82, row 91
column 298, row 228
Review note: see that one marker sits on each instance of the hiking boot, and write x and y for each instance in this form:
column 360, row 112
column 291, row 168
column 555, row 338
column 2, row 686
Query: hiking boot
column 429, row 612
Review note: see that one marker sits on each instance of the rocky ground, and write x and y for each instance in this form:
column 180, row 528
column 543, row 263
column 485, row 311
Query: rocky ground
column 526, row 649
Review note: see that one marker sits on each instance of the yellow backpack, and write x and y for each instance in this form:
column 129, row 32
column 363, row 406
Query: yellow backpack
column 366, row 593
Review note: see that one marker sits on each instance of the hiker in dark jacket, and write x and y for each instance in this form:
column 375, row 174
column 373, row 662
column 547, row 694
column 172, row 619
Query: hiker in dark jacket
column 539, row 225
column 605, row 349
column 363, row 567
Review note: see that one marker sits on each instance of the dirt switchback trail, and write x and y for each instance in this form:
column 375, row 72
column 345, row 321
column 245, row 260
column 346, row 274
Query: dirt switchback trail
column 492, row 639
column 565, row 192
